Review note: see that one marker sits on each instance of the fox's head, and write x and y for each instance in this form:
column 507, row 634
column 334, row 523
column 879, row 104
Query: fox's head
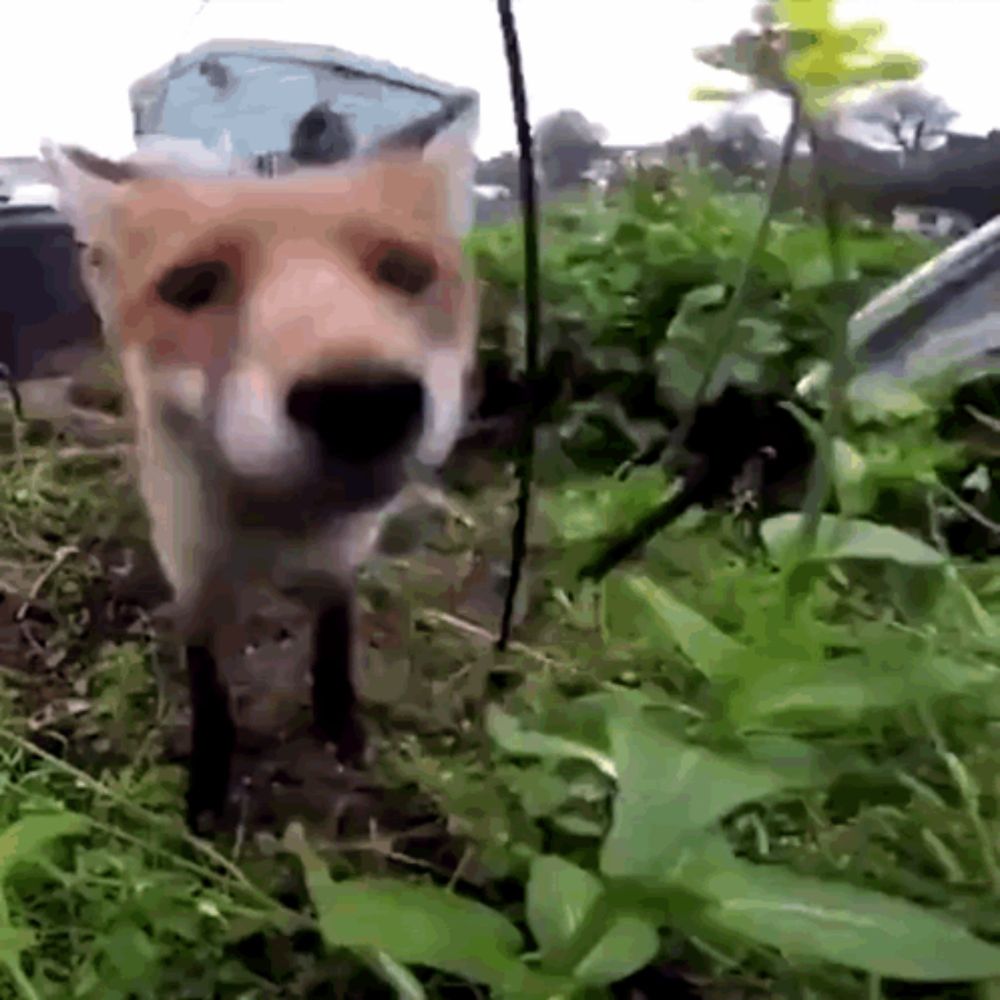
column 312, row 335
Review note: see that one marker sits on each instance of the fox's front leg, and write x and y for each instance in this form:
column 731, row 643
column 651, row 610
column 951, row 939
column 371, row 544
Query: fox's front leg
column 213, row 735
column 334, row 700
column 205, row 614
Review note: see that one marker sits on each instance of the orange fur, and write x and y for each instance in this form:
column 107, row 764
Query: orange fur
column 319, row 276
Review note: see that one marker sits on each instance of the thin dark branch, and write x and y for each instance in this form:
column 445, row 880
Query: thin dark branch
column 619, row 549
column 529, row 209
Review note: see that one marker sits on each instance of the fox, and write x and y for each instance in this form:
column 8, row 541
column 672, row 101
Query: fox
column 295, row 352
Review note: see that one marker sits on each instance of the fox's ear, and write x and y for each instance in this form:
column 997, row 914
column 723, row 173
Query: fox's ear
column 445, row 139
column 452, row 151
column 85, row 182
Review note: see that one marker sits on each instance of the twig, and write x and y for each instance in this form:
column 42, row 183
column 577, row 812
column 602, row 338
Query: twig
column 966, row 508
column 478, row 632
column 62, row 554
column 463, row 862
column 532, row 308
column 29, row 634
column 66, row 454
column 985, row 419
column 241, row 826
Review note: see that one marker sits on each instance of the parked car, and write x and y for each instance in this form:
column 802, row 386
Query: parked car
column 46, row 323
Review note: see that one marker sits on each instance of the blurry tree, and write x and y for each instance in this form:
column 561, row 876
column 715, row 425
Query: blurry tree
column 502, row 170
column 567, row 146
column 903, row 118
column 740, row 143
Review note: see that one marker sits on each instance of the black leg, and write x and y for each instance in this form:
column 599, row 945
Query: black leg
column 213, row 736
column 335, row 714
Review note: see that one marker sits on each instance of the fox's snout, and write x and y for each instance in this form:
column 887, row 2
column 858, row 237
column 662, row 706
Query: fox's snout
column 359, row 417
column 344, row 440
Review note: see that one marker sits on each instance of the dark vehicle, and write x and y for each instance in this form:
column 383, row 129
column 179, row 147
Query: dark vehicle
column 46, row 323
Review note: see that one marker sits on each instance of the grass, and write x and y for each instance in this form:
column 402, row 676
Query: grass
column 128, row 904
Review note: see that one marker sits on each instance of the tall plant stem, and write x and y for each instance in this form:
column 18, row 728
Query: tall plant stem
column 621, row 547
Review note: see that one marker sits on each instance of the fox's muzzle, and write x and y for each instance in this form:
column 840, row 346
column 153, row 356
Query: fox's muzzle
column 359, row 418
column 330, row 445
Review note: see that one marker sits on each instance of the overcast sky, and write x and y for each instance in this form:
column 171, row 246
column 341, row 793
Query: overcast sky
column 66, row 65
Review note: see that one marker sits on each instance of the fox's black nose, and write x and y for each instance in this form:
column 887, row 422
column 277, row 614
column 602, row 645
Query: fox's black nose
column 361, row 416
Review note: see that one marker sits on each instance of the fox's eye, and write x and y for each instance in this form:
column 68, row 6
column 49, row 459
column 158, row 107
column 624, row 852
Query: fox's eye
column 192, row 288
column 405, row 270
